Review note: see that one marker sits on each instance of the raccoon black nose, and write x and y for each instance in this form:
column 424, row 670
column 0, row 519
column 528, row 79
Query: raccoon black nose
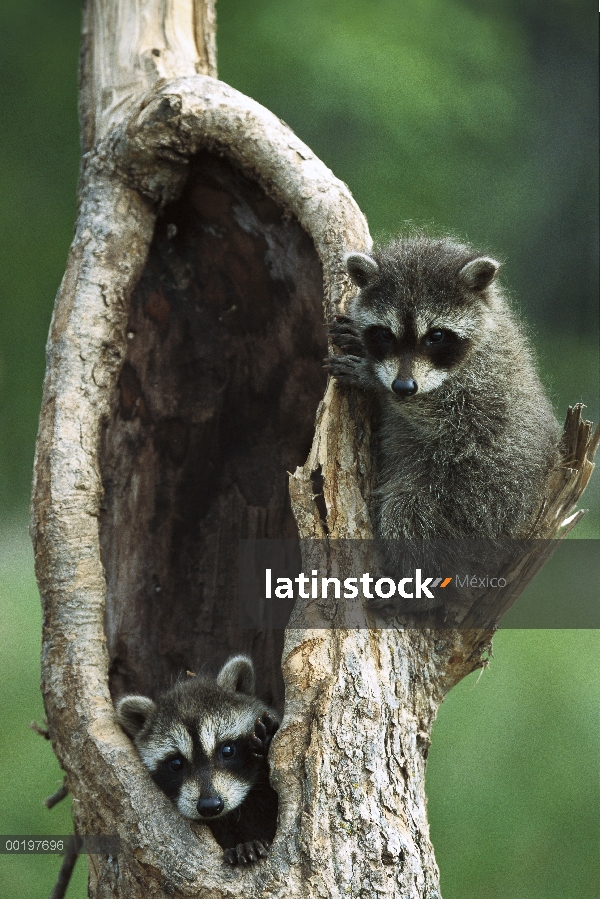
column 209, row 807
column 404, row 388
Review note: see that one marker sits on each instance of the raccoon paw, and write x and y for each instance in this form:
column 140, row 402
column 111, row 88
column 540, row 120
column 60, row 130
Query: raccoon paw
column 264, row 731
column 344, row 335
column 247, row 853
column 346, row 369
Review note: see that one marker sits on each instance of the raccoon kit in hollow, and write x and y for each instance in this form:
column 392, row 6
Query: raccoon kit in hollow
column 205, row 743
column 466, row 438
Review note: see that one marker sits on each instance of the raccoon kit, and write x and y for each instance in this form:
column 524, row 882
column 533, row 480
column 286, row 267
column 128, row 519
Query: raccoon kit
column 466, row 438
column 205, row 744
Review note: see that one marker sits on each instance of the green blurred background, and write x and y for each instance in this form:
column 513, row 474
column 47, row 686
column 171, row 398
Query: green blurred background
column 472, row 116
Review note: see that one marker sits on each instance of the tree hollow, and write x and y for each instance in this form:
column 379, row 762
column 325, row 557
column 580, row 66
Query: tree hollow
column 214, row 405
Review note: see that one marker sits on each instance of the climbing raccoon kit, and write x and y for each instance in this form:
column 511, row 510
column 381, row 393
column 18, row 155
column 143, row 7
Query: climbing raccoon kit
column 466, row 438
column 205, row 743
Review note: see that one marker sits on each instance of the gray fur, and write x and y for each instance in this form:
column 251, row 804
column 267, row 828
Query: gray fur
column 237, row 675
column 133, row 712
column 479, row 273
column 469, row 454
column 362, row 268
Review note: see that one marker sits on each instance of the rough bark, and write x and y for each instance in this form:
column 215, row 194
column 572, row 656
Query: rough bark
column 183, row 378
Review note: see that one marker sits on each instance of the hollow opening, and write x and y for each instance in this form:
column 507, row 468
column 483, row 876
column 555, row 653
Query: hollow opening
column 215, row 403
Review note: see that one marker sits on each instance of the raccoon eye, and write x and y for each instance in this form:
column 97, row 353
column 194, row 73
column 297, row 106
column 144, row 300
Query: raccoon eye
column 175, row 764
column 380, row 341
column 227, row 750
column 436, row 337
column 382, row 336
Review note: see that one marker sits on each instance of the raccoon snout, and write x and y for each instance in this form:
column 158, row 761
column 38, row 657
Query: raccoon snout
column 210, row 807
column 404, row 388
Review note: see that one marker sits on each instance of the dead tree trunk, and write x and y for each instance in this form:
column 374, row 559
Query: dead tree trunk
column 184, row 376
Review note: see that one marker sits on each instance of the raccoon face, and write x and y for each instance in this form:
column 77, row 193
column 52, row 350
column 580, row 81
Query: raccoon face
column 196, row 740
column 419, row 318
column 407, row 362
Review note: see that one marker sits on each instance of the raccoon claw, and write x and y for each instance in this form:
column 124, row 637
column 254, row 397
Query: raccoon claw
column 346, row 369
column 343, row 334
column 264, row 731
column 349, row 344
column 342, row 321
column 247, row 853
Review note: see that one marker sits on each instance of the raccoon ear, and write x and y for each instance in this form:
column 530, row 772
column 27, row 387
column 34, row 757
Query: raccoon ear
column 237, row 674
column 479, row 273
column 132, row 713
column 362, row 268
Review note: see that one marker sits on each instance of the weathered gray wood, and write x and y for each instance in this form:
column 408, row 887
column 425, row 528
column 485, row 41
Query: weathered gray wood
column 182, row 382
